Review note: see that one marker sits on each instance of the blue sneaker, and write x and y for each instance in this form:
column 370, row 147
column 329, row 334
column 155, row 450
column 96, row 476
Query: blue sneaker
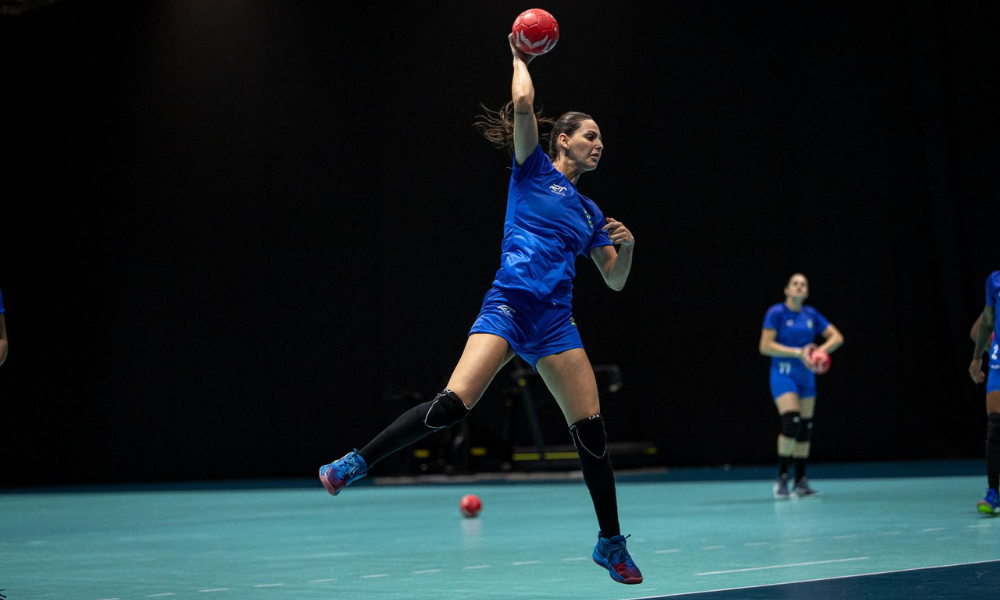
column 342, row 472
column 612, row 555
column 990, row 504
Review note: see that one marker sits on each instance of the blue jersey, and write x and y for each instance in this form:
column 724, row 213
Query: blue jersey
column 794, row 329
column 548, row 225
column 992, row 299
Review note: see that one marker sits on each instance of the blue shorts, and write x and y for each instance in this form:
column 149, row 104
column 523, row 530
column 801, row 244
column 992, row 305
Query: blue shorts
column 791, row 377
column 534, row 329
column 993, row 378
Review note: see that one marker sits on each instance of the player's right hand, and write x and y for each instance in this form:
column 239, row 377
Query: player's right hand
column 806, row 358
column 517, row 53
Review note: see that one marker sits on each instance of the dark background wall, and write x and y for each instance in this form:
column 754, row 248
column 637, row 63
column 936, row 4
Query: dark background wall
column 230, row 227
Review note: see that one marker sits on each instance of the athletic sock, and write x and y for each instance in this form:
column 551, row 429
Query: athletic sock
column 800, row 469
column 783, row 463
column 591, row 445
column 413, row 425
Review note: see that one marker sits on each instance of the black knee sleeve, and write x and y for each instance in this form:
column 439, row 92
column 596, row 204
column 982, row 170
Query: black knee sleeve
column 446, row 409
column 804, row 433
column 790, row 424
column 590, row 437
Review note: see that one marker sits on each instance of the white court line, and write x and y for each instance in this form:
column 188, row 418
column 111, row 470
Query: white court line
column 805, row 564
column 527, row 562
column 932, row 529
column 890, row 533
column 377, row 575
column 322, row 580
column 210, row 590
column 427, row 571
column 756, row 543
column 845, row 537
column 801, row 540
column 160, row 595
column 712, row 547
column 268, row 585
column 575, row 558
column 980, row 525
column 477, row 567
column 667, row 551
column 767, row 585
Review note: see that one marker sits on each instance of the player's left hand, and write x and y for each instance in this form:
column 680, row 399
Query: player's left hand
column 618, row 233
column 976, row 370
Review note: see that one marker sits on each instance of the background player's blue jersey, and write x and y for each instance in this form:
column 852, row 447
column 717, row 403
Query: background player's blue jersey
column 992, row 299
column 794, row 329
column 548, row 225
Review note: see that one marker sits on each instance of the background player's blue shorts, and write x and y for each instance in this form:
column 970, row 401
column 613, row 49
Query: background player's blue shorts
column 534, row 329
column 798, row 379
column 993, row 378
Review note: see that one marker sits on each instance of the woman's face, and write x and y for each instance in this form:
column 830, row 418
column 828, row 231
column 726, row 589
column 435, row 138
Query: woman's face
column 584, row 146
column 798, row 287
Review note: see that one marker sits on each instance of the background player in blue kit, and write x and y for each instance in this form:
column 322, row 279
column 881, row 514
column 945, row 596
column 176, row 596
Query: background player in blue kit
column 3, row 333
column 527, row 310
column 788, row 336
column 988, row 327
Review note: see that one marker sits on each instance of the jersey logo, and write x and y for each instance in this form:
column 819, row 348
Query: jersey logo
column 506, row 310
column 790, row 322
column 589, row 222
column 572, row 321
column 558, row 189
column 809, row 323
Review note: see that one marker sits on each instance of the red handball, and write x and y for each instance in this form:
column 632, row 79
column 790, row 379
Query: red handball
column 470, row 505
column 820, row 361
column 535, row 31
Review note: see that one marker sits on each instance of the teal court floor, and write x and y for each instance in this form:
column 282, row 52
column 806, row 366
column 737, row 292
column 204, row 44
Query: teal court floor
column 901, row 534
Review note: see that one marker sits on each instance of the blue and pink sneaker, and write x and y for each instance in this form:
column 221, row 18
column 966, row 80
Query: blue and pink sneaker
column 611, row 554
column 341, row 472
column 990, row 504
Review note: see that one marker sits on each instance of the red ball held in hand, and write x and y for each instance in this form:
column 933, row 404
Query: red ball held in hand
column 820, row 361
column 535, row 31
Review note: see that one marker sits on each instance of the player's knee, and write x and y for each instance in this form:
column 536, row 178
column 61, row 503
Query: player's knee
column 446, row 410
column 804, row 434
column 790, row 424
column 993, row 427
column 589, row 437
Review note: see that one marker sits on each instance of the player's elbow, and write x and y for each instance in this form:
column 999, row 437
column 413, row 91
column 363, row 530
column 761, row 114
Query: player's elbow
column 523, row 100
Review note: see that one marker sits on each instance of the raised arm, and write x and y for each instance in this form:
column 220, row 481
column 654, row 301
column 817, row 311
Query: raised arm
column 522, row 92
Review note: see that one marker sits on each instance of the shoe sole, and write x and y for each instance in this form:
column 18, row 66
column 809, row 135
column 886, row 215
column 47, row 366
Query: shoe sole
column 327, row 484
column 629, row 581
column 984, row 507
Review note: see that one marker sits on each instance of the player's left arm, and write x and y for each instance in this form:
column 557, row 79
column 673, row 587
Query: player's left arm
column 615, row 265
column 982, row 342
column 974, row 332
column 834, row 339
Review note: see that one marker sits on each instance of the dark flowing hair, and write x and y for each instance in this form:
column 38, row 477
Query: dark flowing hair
column 497, row 126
